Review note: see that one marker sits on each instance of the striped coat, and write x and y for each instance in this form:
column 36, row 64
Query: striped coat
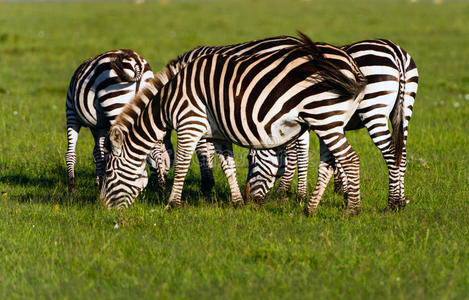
column 259, row 101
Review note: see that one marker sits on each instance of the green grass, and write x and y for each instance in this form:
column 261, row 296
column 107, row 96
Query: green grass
column 54, row 246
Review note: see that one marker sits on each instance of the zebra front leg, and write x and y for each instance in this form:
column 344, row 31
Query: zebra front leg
column 99, row 155
column 187, row 141
column 205, row 152
column 159, row 166
column 70, row 156
column 325, row 171
column 290, row 168
column 225, row 155
column 160, row 160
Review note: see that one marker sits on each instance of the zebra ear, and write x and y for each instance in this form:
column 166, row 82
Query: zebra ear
column 116, row 136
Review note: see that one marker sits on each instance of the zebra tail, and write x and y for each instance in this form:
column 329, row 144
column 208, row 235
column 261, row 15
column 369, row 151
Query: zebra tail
column 118, row 67
column 397, row 121
column 331, row 73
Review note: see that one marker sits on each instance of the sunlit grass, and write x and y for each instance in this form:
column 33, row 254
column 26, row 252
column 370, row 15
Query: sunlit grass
column 56, row 246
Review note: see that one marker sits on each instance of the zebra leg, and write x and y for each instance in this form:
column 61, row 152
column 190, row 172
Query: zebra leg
column 338, row 177
column 290, row 168
column 325, row 171
column 403, row 166
column 205, row 152
column 302, row 158
column 187, row 141
column 381, row 137
column 225, row 155
column 158, row 160
column 350, row 163
column 99, row 155
column 70, row 156
column 338, row 145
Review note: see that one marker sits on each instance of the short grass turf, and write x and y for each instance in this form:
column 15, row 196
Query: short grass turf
column 56, row 246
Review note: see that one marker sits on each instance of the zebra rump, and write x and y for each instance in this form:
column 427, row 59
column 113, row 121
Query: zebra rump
column 390, row 94
column 99, row 89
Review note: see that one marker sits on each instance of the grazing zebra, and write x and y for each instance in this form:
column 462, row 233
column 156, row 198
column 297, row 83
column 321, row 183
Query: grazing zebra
column 97, row 93
column 260, row 101
column 205, row 150
column 390, row 93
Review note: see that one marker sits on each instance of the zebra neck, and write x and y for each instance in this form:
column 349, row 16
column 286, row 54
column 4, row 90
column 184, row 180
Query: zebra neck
column 150, row 126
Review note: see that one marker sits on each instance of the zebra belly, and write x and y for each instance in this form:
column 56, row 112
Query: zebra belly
column 283, row 131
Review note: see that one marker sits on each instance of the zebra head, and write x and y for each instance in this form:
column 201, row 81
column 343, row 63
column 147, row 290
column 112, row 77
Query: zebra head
column 125, row 175
column 264, row 167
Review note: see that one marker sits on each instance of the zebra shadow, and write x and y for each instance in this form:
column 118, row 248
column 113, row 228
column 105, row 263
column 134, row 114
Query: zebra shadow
column 48, row 186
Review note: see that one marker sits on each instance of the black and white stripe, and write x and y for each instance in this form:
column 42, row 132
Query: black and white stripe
column 259, row 101
column 389, row 95
column 205, row 150
column 98, row 91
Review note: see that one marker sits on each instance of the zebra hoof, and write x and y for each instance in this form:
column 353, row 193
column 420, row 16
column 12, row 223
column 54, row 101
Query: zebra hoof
column 395, row 206
column 71, row 186
column 72, row 190
column 300, row 198
column 172, row 205
column 390, row 208
column 309, row 212
column 352, row 211
column 238, row 204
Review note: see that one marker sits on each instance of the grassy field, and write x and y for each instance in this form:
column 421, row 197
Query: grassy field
column 54, row 246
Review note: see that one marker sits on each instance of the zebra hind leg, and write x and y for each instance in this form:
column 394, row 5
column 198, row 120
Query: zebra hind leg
column 225, row 155
column 396, row 199
column 403, row 199
column 302, row 146
column 351, row 165
column 70, row 156
column 338, row 145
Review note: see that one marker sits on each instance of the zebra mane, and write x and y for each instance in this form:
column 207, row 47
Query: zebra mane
column 331, row 73
column 134, row 108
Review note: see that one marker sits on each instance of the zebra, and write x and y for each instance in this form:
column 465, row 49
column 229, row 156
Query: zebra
column 98, row 91
column 392, row 77
column 205, row 150
column 260, row 101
